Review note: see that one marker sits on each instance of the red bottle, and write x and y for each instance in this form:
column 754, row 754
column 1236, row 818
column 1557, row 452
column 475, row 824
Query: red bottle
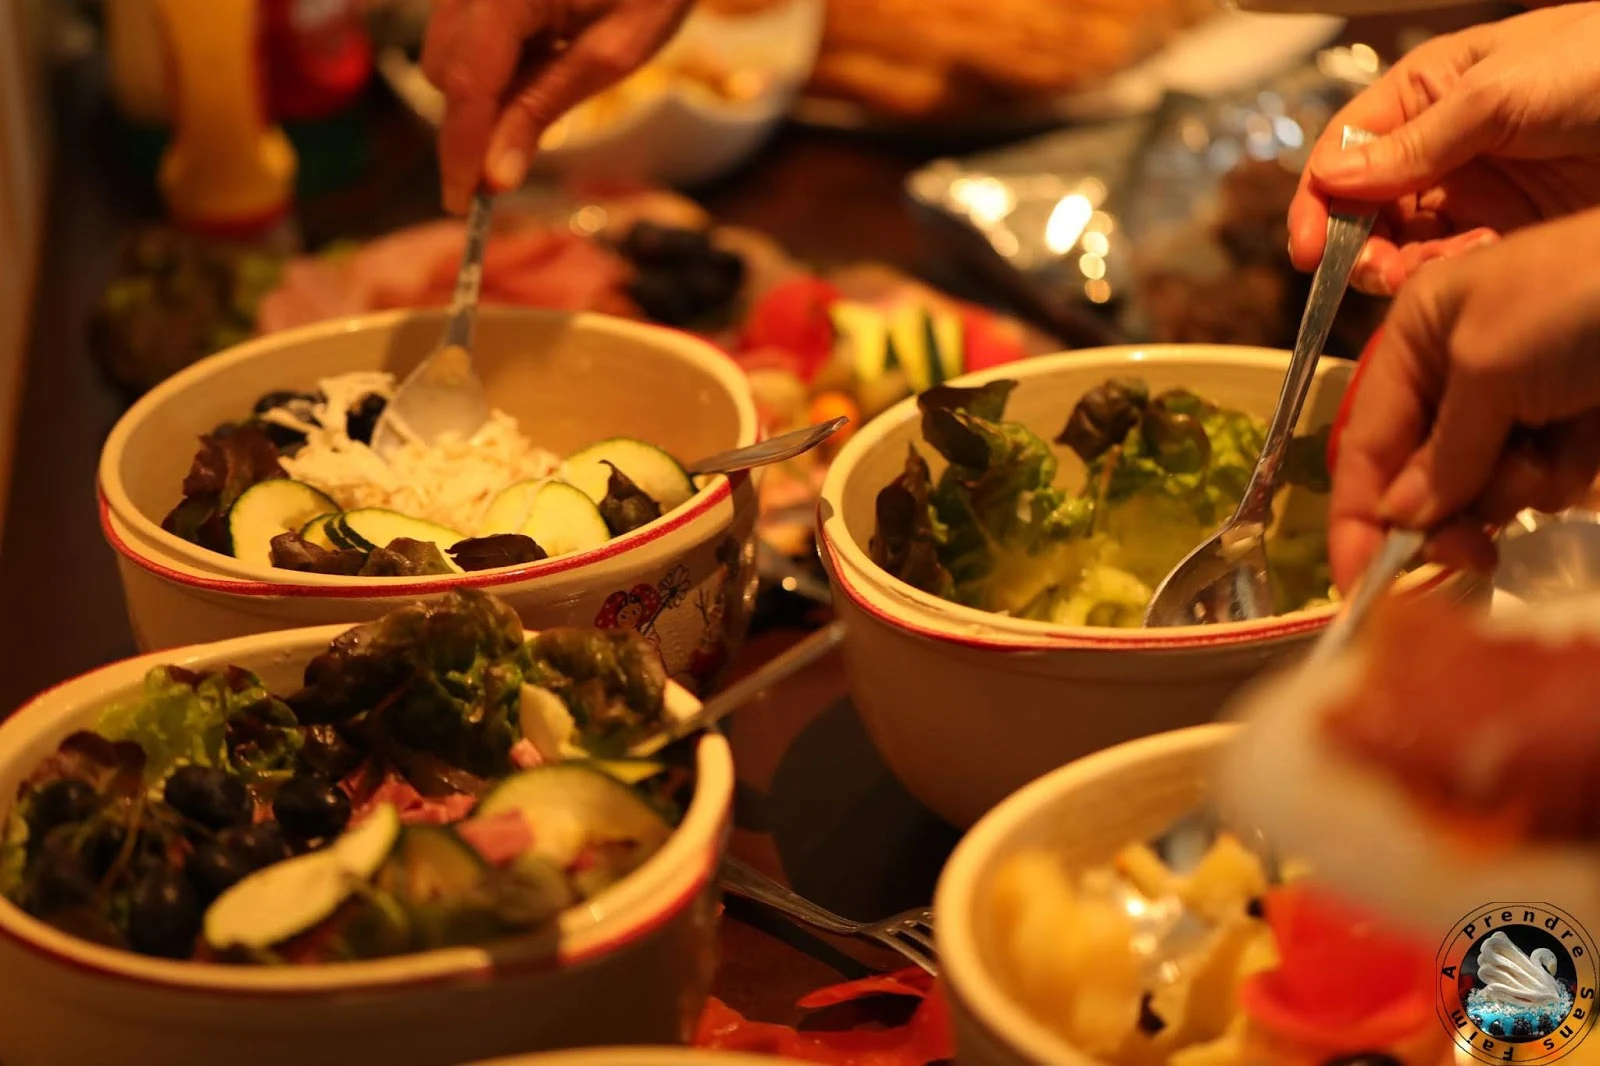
column 318, row 57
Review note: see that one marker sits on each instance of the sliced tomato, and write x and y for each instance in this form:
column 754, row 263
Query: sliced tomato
column 1345, row 404
column 985, row 344
column 1344, row 978
column 793, row 316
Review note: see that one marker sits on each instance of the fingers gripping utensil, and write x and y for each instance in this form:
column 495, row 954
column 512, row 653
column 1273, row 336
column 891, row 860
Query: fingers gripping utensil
column 1226, row 579
column 443, row 394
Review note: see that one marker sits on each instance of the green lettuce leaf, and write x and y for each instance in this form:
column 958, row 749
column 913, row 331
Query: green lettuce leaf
column 182, row 716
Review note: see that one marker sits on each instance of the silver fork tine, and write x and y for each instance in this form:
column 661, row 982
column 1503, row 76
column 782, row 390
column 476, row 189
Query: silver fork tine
column 918, row 954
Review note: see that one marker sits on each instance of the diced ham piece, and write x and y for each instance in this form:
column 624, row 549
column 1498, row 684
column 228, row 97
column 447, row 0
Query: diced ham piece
column 524, row 756
column 414, row 808
column 498, row 838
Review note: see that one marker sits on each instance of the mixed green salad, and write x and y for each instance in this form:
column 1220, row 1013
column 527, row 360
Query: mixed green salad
column 296, row 485
column 437, row 780
column 996, row 532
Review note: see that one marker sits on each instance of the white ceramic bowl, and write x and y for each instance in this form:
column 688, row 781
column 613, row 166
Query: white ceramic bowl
column 672, row 136
column 967, row 706
column 1085, row 812
column 686, row 580
column 633, row 965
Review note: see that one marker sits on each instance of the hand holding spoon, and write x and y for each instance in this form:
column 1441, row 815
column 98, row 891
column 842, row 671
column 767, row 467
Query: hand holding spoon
column 1226, row 579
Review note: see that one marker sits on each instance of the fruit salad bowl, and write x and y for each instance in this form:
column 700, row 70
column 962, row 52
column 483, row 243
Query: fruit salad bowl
column 686, row 579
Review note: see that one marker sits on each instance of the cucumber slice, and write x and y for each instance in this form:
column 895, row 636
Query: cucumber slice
column 287, row 898
column 374, row 527
column 547, row 722
column 429, row 863
column 563, row 520
column 629, row 771
column 949, row 345
column 572, row 806
column 342, row 537
column 508, row 511
column 269, row 508
column 658, row 475
column 866, row 331
column 316, row 531
column 909, row 334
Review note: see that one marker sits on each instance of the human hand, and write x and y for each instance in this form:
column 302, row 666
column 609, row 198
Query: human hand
column 1480, row 398
column 510, row 68
column 1482, row 132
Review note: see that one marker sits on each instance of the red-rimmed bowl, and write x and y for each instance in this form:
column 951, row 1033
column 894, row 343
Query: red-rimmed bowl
column 686, row 580
column 967, row 706
column 633, row 965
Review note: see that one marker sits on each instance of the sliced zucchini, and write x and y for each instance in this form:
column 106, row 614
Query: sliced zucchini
column 431, row 863
column 508, row 511
column 571, row 806
column 629, row 771
column 374, row 527
column 949, row 344
column 288, row 898
column 658, row 475
column 563, row 520
column 316, row 531
column 547, row 722
column 865, row 329
column 268, row 509
column 909, row 336
column 344, row 536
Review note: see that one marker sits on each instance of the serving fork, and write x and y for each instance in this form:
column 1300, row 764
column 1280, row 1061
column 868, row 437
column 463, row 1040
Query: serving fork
column 909, row 933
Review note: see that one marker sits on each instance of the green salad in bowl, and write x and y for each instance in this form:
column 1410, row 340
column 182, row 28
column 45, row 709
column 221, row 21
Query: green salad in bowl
column 999, row 530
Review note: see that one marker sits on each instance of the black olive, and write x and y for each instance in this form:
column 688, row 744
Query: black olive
column 1256, row 907
column 59, row 882
column 212, row 797
column 163, row 915
column 652, row 244
column 662, row 298
column 327, row 754
column 258, row 845
column 286, row 440
column 362, row 418
column 60, row 803
column 103, row 846
column 1365, row 1058
column 728, row 266
column 214, row 868
column 284, row 398
column 1150, row 1022
column 707, row 289
column 310, row 808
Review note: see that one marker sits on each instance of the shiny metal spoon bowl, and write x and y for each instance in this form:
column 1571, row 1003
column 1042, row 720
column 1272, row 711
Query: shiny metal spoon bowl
column 1227, row 579
column 443, row 394
column 777, row 449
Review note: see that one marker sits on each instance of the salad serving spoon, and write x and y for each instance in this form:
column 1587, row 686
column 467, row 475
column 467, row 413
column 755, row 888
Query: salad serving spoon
column 443, row 394
column 777, row 449
column 1227, row 579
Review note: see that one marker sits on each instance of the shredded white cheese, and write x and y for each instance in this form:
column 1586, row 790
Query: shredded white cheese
column 450, row 482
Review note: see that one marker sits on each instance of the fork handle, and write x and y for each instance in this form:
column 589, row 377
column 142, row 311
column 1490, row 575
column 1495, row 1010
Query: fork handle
column 469, row 279
column 743, row 880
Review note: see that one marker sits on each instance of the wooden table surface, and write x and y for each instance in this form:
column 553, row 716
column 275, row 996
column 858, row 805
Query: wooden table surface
column 815, row 804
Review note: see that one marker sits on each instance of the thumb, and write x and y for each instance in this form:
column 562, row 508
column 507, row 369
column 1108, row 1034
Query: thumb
column 1418, row 154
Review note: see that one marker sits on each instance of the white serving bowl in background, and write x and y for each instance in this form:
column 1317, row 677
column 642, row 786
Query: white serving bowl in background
column 673, row 136
column 1084, row 812
column 967, row 706
column 687, row 580
column 632, row 965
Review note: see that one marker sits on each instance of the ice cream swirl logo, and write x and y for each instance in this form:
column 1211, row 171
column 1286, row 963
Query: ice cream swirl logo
column 1517, row 983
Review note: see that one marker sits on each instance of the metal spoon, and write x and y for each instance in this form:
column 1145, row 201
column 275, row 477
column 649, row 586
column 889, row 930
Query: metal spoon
column 773, row 450
column 443, row 394
column 1226, row 579
column 744, row 690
